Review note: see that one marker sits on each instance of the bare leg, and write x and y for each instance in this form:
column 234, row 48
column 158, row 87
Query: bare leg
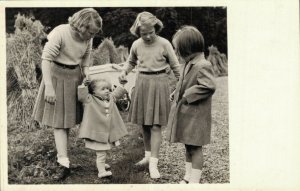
column 188, row 165
column 147, row 145
column 61, row 142
column 155, row 140
column 197, row 164
column 155, row 146
column 147, row 137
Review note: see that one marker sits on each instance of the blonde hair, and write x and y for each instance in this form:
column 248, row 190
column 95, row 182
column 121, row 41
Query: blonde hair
column 147, row 19
column 188, row 40
column 87, row 18
column 95, row 83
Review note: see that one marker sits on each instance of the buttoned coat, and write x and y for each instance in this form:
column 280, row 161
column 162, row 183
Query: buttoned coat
column 101, row 123
column 190, row 117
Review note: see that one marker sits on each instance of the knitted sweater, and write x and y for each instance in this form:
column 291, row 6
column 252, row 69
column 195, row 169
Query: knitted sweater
column 63, row 48
column 153, row 57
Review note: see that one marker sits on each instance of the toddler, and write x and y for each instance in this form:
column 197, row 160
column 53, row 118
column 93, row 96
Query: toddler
column 102, row 124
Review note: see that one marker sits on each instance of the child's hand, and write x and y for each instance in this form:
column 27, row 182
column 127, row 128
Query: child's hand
column 184, row 100
column 86, row 81
column 171, row 97
column 122, row 78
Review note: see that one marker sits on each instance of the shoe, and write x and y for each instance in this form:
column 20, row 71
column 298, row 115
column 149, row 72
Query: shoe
column 107, row 166
column 144, row 161
column 183, row 181
column 62, row 173
column 104, row 174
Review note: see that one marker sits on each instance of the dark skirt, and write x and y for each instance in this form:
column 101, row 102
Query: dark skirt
column 150, row 100
column 67, row 110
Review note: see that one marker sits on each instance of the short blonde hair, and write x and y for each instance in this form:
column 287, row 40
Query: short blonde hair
column 86, row 17
column 188, row 40
column 147, row 19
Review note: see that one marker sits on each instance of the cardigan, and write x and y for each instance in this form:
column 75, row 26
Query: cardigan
column 101, row 122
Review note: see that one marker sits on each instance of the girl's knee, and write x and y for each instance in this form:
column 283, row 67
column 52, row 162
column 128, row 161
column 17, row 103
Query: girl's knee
column 155, row 128
column 191, row 149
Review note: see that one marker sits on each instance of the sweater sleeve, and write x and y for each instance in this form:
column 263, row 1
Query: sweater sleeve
column 87, row 55
column 206, row 85
column 118, row 93
column 83, row 94
column 132, row 58
column 52, row 47
column 173, row 61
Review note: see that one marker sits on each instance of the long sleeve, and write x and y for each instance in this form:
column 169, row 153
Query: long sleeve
column 87, row 55
column 52, row 47
column 173, row 61
column 206, row 85
column 83, row 94
column 132, row 58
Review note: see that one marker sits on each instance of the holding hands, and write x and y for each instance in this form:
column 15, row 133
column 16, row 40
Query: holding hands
column 122, row 78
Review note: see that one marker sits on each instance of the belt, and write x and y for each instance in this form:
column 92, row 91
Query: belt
column 66, row 66
column 153, row 73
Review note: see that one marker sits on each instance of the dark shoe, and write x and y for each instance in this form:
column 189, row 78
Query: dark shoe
column 62, row 173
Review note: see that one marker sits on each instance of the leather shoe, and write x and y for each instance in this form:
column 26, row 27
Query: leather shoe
column 62, row 173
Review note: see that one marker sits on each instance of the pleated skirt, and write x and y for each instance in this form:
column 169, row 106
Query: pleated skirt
column 150, row 100
column 67, row 110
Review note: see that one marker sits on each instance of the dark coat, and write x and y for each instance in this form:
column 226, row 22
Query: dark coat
column 190, row 119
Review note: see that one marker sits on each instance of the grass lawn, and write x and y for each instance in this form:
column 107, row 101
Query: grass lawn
column 31, row 154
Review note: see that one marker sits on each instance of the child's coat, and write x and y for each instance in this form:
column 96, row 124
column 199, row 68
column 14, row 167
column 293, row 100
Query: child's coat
column 190, row 123
column 101, row 121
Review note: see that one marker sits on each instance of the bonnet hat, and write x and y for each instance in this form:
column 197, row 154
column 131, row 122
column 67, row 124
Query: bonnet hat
column 146, row 19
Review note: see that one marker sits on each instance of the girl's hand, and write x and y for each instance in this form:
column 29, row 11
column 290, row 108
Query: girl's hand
column 184, row 100
column 50, row 96
column 171, row 97
column 86, row 81
column 122, row 78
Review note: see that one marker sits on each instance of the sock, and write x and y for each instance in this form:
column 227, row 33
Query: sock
column 100, row 161
column 145, row 160
column 154, row 173
column 64, row 161
column 188, row 168
column 195, row 176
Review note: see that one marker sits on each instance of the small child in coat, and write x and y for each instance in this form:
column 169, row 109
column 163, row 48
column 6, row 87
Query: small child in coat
column 102, row 126
column 190, row 116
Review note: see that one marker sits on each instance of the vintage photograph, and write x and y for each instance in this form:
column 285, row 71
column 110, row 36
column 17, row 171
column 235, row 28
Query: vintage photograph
column 117, row 95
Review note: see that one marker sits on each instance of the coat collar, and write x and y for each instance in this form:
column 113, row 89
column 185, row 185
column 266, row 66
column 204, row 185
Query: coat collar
column 196, row 57
column 193, row 59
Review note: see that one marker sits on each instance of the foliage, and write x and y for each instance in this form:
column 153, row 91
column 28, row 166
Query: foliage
column 211, row 21
column 106, row 53
column 23, row 57
column 218, row 60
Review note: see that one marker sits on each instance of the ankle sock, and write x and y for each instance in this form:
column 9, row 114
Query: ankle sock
column 195, row 176
column 153, row 170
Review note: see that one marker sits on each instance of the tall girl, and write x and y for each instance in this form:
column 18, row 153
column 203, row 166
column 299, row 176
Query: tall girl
column 65, row 62
column 150, row 107
column 190, row 115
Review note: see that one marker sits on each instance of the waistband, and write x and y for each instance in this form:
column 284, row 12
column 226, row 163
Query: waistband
column 65, row 66
column 153, row 73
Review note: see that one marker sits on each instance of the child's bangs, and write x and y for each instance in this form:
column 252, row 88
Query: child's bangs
column 104, row 84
